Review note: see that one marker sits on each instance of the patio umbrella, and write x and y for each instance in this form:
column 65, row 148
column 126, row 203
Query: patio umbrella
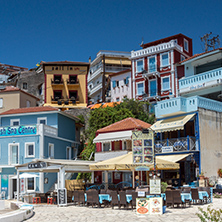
column 125, row 162
column 25, row 175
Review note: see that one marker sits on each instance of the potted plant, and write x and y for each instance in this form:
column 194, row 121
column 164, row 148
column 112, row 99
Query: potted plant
column 219, row 172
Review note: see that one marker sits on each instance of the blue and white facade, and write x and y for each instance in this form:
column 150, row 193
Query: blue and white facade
column 192, row 123
column 40, row 134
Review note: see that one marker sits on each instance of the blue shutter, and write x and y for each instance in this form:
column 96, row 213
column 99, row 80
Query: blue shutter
column 114, row 84
column 127, row 80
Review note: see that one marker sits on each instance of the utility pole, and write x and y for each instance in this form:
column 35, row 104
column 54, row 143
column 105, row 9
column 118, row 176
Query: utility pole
column 104, row 79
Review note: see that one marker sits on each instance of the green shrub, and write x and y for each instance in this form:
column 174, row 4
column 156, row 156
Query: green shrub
column 163, row 187
column 210, row 214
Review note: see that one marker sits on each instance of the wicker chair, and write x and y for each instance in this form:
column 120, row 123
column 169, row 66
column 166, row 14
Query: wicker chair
column 195, row 195
column 169, row 198
column 81, row 197
column 122, row 199
column 177, row 198
column 115, row 200
column 76, row 196
column 134, row 196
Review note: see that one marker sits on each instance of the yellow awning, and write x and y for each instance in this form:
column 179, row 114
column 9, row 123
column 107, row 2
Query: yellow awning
column 173, row 158
column 171, row 124
column 125, row 162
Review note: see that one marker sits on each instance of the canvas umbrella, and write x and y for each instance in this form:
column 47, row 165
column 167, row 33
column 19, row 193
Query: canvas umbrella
column 25, row 175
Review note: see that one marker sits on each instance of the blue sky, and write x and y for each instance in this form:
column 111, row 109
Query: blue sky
column 53, row 30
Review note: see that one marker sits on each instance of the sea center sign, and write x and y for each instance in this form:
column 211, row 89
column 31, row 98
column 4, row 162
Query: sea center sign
column 18, row 130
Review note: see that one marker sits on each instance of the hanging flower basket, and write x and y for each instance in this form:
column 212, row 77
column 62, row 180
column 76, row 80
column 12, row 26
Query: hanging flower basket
column 219, row 172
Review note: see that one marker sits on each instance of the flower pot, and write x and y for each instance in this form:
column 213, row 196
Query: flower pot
column 201, row 177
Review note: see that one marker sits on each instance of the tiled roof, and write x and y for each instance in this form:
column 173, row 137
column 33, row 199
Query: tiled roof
column 196, row 55
column 65, row 63
column 29, row 110
column 125, row 124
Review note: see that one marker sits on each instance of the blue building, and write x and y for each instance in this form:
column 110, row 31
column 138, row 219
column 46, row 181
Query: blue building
column 34, row 133
column 189, row 127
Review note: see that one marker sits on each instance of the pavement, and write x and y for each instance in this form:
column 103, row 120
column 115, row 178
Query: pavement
column 89, row 214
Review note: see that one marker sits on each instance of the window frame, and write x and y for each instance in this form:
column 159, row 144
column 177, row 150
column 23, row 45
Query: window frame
column 123, row 143
column 42, row 118
column 152, row 80
column 26, row 150
column 182, row 57
column 148, row 63
column 161, row 59
column 162, row 89
column 10, row 153
column 110, row 147
column 68, row 151
column 34, row 184
column 1, row 104
column 25, row 88
column 186, row 42
column 51, row 145
column 137, row 83
column 14, row 120
column 137, row 65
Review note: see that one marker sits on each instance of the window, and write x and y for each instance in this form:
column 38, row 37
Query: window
column 126, row 80
column 73, row 79
column 68, row 153
column 28, row 103
column 52, row 67
column 31, row 183
column 117, row 83
column 14, row 122
column 106, row 147
column 29, row 150
column 25, row 85
column 186, row 46
column 124, row 147
column 139, row 65
column 51, row 150
column 56, row 68
column 140, row 88
column 57, row 79
column 1, row 102
column 152, row 64
column 182, row 57
column 42, row 120
column 117, row 99
column 165, row 59
column 57, row 95
column 165, row 83
column 73, row 95
column 13, row 153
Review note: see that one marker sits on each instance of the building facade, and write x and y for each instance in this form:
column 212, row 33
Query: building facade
column 105, row 63
column 66, row 84
column 34, row 133
column 154, row 74
column 13, row 98
column 120, row 85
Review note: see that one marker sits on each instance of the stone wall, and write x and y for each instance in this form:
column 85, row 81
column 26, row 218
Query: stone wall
column 210, row 141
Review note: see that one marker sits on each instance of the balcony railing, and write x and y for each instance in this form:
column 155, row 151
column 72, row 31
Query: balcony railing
column 176, row 145
column 183, row 105
column 95, row 89
column 156, row 49
column 72, row 81
column 200, row 81
column 56, row 81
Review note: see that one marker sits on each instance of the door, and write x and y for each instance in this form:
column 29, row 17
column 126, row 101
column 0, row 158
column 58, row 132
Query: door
column 153, row 88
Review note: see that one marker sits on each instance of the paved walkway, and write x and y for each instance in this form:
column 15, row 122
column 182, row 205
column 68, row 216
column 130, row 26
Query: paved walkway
column 89, row 214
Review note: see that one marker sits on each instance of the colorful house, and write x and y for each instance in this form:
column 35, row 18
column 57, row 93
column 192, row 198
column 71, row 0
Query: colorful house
column 66, row 84
column 34, row 133
column 154, row 73
column 113, row 141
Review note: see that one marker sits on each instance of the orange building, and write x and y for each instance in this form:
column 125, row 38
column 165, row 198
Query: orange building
column 66, row 84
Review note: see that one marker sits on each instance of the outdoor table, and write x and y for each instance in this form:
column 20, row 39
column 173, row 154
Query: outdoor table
column 104, row 197
column 186, row 196
column 129, row 196
column 203, row 194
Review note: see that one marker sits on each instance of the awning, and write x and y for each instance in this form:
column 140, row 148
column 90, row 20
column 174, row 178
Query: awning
column 171, row 124
column 25, row 175
column 173, row 158
column 115, row 136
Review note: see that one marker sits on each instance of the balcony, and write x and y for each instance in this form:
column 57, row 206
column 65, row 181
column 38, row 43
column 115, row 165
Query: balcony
column 176, row 145
column 156, row 49
column 95, row 73
column 95, row 89
column 67, row 101
column 201, row 81
column 153, row 71
column 72, row 82
column 185, row 105
column 57, row 81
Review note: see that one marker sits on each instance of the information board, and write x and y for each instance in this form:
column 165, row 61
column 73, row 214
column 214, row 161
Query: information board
column 156, row 205
column 143, row 147
column 142, row 205
column 62, row 197
column 155, row 186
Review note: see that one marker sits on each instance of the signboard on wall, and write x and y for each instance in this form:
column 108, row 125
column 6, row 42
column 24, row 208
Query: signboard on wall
column 62, row 197
column 143, row 147
column 18, row 130
column 142, row 205
column 4, row 184
column 155, row 186
column 156, row 205
column 37, row 165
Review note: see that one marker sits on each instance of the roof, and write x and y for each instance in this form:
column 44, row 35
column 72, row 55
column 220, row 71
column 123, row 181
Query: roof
column 13, row 89
column 64, row 63
column 29, row 110
column 167, row 39
column 103, row 105
column 199, row 54
column 125, row 124
column 119, row 73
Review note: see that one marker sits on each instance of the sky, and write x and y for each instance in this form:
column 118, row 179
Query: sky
column 56, row 30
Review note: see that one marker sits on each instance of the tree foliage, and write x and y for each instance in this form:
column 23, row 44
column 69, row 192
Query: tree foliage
column 102, row 117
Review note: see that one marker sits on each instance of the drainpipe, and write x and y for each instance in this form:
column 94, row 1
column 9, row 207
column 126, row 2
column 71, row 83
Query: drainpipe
column 103, row 79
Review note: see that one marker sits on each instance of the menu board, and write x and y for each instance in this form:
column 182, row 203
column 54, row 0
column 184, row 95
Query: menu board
column 143, row 147
column 142, row 206
column 62, row 196
column 155, row 186
column 156, row 205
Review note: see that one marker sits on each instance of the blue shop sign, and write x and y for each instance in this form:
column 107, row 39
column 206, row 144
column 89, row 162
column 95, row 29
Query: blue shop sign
column 18, row 130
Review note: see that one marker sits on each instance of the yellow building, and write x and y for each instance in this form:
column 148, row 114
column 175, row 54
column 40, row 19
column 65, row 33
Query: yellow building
column 66, row 84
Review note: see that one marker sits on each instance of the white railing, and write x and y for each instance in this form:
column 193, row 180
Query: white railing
column 95, row 89
column 156, row 49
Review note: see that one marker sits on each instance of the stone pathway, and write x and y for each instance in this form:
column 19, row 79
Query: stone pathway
column 89, row 214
